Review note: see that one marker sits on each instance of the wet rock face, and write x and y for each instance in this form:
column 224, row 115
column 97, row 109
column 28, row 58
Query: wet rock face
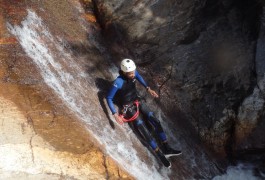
column 202, row 56
column 153, row 21
column 40, row 137
column 151, row 28
column 251, row 113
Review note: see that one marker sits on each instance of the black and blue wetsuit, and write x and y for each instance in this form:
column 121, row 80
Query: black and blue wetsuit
column 127, row 91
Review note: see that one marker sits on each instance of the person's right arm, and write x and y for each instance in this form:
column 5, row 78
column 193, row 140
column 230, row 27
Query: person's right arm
column 117, row 84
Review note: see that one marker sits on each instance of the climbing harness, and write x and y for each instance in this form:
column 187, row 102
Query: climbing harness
column 126, row 107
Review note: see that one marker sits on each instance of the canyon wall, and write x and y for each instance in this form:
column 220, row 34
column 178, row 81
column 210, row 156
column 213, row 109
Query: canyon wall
column 204, row 58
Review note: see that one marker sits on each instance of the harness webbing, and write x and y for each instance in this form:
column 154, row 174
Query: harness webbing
column 134, row 116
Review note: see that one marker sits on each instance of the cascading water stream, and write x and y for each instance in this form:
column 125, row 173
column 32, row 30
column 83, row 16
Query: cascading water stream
column 73, row 85
column 239, row 172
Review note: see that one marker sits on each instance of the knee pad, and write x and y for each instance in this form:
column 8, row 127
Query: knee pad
column 139, row 122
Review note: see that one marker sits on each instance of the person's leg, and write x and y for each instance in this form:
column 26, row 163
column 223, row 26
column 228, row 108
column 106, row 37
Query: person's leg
column 153, row 121
column 148, row 137
column 139, row 124
column 159, row 131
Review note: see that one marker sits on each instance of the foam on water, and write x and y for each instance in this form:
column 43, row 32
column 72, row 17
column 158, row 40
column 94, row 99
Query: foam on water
column 239, row 172
column 48, row 53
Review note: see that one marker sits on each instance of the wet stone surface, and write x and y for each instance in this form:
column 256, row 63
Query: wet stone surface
column 41, row 111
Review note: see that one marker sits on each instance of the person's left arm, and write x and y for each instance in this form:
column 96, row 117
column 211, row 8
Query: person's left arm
column 142, row 81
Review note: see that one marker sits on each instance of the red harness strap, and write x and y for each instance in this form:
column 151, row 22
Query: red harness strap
column 134, row 116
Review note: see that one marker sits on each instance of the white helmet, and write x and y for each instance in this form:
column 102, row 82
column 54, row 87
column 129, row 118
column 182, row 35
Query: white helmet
column 127, row 65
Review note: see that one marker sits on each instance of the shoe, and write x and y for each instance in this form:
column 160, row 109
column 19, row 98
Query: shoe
column 172, row 152
column 169, row 152
column 163, row 159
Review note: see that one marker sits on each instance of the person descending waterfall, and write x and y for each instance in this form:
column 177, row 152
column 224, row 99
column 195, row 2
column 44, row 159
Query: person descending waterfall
column 125, row 85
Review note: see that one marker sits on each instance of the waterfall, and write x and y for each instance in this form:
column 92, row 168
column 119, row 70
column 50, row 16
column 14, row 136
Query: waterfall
column 70, row 81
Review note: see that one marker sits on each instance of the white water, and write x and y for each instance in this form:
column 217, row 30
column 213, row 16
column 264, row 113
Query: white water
column 74, row 85
column 239, row 172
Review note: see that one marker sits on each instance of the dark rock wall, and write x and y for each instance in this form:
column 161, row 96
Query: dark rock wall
column 251, row 120
column 201, row 55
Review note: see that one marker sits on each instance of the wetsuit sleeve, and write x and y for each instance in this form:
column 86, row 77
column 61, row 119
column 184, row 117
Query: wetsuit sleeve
column 117, row 84
column 140, row 79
